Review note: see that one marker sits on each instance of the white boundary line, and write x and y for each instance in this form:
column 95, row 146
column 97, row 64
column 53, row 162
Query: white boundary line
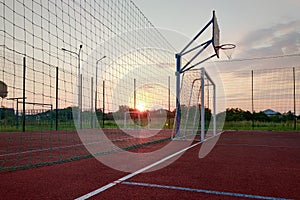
column 232, row 194
column 60, row 147
column 259, row 145
column 101, row 189
column 48, row 149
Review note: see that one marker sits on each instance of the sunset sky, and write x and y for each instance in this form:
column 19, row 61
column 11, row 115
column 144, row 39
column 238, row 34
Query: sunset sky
column 258, row 28
column 267, row 30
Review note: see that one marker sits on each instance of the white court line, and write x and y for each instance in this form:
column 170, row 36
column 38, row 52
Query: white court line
column 259, row 145
column 232, row 194
column 47, row 149
column 58, row 148
column 101, row 189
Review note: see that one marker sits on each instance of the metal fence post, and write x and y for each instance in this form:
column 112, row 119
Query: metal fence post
column 295, row 115
column 103, row 105
column 252, row 98
column 92, row 102
column 24, row 93
column 56, row 101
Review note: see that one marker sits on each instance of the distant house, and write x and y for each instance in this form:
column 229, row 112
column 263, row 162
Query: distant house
column 270, row 112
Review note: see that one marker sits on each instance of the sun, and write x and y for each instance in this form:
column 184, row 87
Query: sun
column 141, row 107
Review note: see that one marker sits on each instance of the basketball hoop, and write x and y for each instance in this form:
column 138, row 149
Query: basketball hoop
column 228, row 49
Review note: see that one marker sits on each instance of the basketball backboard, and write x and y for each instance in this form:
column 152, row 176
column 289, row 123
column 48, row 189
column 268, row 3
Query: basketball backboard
column 216, row 34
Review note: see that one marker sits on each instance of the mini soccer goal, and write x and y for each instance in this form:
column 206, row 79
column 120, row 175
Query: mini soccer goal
column 196, row 118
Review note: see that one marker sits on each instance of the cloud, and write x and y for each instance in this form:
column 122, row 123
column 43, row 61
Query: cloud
column 275, row 42
column 279, row 39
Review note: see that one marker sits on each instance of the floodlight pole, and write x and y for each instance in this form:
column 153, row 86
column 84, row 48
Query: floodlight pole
column 96, row 99
column 79, row 85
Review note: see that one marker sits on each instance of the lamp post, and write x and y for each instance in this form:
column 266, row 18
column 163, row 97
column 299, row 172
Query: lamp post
column 79, row 85
column 97, row 83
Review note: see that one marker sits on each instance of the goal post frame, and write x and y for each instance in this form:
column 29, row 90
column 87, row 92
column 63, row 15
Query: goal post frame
column 203, row 76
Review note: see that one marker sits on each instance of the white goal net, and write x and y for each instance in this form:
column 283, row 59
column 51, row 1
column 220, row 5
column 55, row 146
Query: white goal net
column 197, row 118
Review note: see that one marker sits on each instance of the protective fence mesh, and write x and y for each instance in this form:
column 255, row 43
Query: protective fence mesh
column 266, row 98
column 77, row 64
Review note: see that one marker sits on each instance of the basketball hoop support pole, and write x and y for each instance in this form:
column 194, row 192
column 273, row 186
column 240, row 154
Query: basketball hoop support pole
column 195, row 38
column 178, row 112
column 202, row 114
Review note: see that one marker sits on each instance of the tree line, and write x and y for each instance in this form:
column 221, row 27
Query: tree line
column 237, row 114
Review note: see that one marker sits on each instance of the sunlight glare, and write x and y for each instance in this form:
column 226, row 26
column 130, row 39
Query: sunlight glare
column 141, row 107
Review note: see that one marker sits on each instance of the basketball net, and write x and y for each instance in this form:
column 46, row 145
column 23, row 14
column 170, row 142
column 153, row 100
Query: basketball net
column 229, row 53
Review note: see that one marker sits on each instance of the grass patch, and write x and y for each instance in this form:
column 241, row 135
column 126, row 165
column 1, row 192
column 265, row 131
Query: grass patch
column 268, row 126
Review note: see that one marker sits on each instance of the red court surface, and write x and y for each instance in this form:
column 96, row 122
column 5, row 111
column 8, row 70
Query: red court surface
column 242, row 165
column 23, row 149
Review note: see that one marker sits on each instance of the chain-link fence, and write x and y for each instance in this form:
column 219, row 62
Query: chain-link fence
column 262, row 98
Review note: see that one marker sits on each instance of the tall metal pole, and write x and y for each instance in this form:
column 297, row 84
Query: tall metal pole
column 215, row 109
column 103, row 111
column 96, row 90
column 202, row 105
column 79, row 90
column 178, row 112
column 17, row 113
column 51, row 117
column 24, row 90
column 80, row 102
column 92, row 102
column 56, row 101
column 252, row 99
column 79, row 85
column 295, row 116
column 169, row 101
